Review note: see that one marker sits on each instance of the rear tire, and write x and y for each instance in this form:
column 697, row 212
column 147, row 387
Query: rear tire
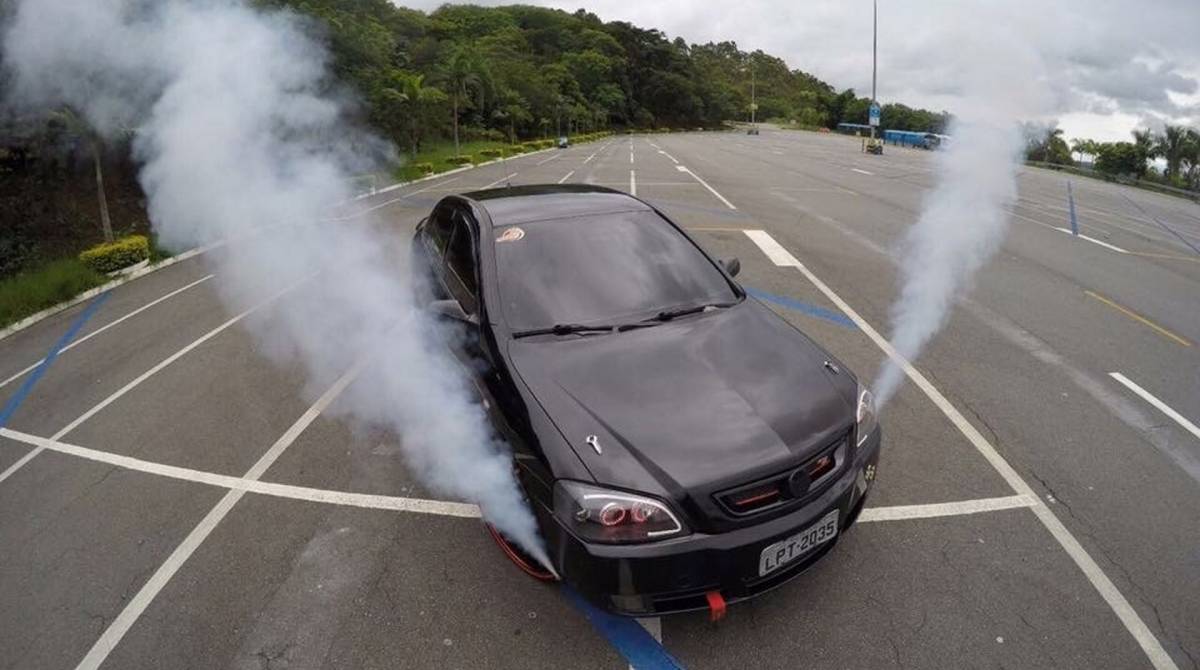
column 527, row 564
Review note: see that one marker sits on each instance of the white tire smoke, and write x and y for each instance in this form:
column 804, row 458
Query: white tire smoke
column 965, row 218
column 235, row 132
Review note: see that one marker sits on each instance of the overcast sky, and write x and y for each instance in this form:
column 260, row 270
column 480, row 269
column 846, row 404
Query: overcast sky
column 1109, row 66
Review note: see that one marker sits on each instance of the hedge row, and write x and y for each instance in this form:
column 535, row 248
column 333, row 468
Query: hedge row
column 116, row 255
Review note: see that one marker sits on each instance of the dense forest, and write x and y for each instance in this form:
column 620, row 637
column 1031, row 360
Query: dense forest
column 522, row 71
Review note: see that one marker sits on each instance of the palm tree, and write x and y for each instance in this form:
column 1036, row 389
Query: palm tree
column 1080, row 146
column 1170, row 145
column 78, row 127
column 1191, row 156
column 416, row 96
column 465, row 75
column 1145, row 147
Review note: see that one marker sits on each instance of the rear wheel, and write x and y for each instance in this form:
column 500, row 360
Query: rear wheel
column 528, row 564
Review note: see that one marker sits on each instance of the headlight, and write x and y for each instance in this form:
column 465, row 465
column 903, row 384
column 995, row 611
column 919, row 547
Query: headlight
column 866, row 417
column 613, row 517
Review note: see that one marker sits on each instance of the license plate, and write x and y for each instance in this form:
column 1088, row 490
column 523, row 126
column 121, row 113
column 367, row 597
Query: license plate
column 789, row 549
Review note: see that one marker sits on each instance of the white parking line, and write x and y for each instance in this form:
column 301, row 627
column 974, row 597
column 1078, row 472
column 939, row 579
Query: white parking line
column 502, row 179
column 585, row 161
column 169, row 360
column 1108, row 591
column 631, row 154
column 78, row 341
column 250, row 485
column 1093, row 240
column 1158, row 404
column 138, row 380
column 668, row 156
column 632, row 183
column 959, row 508
column 862, row 171
column 128, row 616
column 440, row 507
column 566, row 176
column 703, row 183
column 549, row 159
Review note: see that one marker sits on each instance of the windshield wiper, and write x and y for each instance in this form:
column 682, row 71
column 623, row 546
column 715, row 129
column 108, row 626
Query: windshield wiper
column 563, row 329
column 668, row 314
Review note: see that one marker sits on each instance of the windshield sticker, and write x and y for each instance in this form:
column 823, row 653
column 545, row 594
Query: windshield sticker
column 511, row 235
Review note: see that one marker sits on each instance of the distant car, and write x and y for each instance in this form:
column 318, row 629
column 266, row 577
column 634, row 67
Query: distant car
column 752, row 131
column 680, row 444
column 563, row 142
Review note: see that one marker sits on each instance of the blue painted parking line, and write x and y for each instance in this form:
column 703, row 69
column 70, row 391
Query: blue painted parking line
column 627, row 636
column 803, row 307
column 14, row 402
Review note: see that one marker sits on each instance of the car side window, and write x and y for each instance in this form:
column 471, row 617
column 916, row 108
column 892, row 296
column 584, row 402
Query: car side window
column 440, row 227
column 460, row 264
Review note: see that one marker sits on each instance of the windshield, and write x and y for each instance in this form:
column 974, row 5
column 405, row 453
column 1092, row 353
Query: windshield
column 600, row 269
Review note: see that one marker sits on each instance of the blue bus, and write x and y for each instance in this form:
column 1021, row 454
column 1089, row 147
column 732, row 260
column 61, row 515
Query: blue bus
column 909, row 138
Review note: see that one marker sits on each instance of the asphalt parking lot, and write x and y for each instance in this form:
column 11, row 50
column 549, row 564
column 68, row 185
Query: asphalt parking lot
column 173, row 497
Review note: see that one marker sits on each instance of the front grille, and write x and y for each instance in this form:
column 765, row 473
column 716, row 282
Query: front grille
column 792, row 486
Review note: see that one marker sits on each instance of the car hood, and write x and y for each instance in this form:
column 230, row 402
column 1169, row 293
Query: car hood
column 691, row 405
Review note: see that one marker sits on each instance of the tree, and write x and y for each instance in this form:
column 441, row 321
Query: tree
column 80, row 129
column 1044, row 143
column 513, row 109
column 418, row 98
column 1083, row 147
column 1171, row 145
column 1118, row 158
column 1191, row 158
column 1144, row 148
column 465, row 75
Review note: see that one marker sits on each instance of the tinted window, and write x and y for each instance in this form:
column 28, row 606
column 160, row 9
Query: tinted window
column 600, row 269
column 460, row 265
column 440, row 226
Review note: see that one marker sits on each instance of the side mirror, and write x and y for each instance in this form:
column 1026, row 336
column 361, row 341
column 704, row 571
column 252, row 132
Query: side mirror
column 450, row 309
column 732, row 265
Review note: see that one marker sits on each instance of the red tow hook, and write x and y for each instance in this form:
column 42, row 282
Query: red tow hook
column 716, row 605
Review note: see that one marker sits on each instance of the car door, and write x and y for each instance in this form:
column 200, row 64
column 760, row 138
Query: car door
column 460, row 270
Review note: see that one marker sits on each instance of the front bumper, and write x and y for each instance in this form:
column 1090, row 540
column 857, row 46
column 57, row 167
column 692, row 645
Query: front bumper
column 674, row 575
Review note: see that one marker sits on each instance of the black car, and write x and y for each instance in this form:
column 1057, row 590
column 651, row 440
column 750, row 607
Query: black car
column 681, row 445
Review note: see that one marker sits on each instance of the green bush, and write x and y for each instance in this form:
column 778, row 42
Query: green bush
column 546, row 144
column 37, row 289
column 516, row 149
column 459, row 160
column 490, row 153
column 423, row 168
column 114, row 256
column 532, row 146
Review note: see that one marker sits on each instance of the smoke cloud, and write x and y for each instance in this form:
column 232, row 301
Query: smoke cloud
column 963, row 221
column 239, row 136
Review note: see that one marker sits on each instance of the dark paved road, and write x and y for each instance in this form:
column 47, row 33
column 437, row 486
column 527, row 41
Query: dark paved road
column 306, row 575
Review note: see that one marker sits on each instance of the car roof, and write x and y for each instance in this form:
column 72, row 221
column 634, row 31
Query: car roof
column 523, row 204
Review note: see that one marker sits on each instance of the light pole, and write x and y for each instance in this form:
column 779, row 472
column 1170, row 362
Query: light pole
column 753, row 100
column 874, row 56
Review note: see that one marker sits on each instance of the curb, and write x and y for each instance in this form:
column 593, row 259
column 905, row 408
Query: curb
column 401, row 184
column 192, row 253
column 91, row 293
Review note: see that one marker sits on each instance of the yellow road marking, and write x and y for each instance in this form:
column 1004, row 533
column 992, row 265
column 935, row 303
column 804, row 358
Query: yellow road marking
column 1139, row 318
